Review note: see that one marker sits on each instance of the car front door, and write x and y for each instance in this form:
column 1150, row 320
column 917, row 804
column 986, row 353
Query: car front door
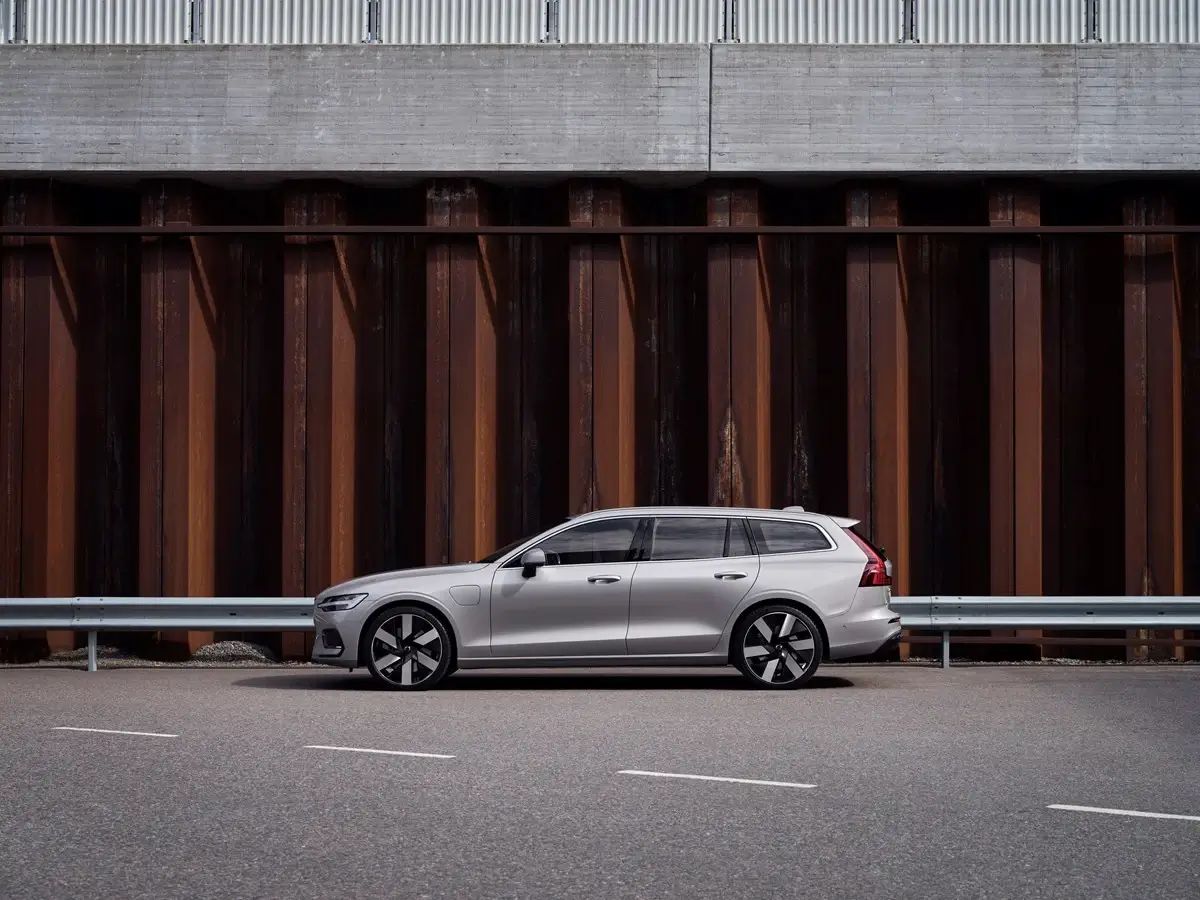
column 575, row 605
column 694, row 572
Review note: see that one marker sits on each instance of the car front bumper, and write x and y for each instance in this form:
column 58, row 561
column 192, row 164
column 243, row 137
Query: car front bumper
column 335, row 644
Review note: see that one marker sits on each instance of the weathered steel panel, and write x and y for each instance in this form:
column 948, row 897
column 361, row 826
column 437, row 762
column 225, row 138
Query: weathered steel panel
column 1016, row 363
column 322, row 278
column 463, row 322
column 366, row 381
column 183, row 302
column 602, row 468
column 878, row 350
column 1153, row 403
column 49, row 285
column 739, row 356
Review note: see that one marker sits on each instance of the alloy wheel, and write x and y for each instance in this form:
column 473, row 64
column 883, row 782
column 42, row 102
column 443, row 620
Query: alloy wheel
column 778, row 648
column 407, row 649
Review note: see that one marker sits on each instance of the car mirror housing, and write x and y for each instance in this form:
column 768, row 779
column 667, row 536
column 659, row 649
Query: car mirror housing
column 532, row 560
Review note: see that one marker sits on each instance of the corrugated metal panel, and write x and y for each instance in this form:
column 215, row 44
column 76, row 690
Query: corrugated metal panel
column 107, row 21
column 462, row 21
column 285, row 21
column 1149, row 21
column 1000, row 21
column 605, row 21
column 820, row 21
column 640, row 21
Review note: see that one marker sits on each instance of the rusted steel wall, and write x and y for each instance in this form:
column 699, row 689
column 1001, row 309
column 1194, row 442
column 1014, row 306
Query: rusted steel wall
column 265, row 415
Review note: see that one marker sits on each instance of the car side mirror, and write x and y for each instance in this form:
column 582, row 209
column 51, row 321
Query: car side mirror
column 531, row 561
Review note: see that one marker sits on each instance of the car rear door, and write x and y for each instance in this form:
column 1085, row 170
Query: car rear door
column 694, row 570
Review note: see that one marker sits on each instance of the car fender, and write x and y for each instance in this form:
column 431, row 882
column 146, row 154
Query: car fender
column 759, row 595
column 469, row 625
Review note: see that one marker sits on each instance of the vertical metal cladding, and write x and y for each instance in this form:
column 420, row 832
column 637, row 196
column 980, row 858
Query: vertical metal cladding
column 640, row 21
column 820, row 21
column 1000, row 21
column 105, row 21
column 285, row 21
column 1149, row 21
column 462, row 21
column 604, row 21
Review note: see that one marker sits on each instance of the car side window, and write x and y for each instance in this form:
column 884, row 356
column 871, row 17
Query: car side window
column 679, row 537
column 600, row 541
column 774, row 536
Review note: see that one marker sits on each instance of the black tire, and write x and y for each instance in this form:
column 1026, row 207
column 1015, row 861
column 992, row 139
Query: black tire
column 774, row 669
column 401, row 634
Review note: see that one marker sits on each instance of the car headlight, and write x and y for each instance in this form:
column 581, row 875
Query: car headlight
column 341, row 602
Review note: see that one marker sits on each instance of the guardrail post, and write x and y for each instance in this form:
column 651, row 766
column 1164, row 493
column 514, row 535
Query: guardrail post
column 945, row 649
column 91, row 651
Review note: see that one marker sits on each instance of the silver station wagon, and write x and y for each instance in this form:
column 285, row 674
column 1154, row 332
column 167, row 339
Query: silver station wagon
column 773, row 592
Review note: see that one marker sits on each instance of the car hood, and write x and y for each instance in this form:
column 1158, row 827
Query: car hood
column 369, row 583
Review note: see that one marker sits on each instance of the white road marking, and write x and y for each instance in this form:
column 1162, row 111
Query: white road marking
column 789, row 784
column 112, row 731
column 384, row 752
column 1122, row 812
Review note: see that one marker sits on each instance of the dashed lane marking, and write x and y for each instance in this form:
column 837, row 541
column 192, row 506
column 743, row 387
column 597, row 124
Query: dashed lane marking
column 1122, row 812
column 787, row 784
column 384, row 752
column 114, row 731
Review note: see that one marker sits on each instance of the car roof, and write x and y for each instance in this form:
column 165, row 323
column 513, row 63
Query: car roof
column 795, row 513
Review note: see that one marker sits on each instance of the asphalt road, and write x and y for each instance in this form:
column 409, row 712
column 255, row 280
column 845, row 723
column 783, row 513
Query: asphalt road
column 926, row 784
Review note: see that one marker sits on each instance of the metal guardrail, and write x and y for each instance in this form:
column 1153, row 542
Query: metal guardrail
column 947, row 614
column 944, row 614
column 96, row 614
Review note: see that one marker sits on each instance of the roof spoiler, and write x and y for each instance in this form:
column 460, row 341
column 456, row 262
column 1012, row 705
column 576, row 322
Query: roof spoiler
column 842, row 521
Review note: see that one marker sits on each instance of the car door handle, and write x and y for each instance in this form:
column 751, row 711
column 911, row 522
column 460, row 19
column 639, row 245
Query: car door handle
column 603, row 579
column 730, row 576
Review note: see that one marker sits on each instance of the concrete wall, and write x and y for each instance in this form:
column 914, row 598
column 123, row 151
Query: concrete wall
column 367, row 110
column 617, row 110
column 956, row 109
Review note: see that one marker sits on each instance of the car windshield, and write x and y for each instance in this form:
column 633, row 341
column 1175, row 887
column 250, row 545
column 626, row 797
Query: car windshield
column 496, row 554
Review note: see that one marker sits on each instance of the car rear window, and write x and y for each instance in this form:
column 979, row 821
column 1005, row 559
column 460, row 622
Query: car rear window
column 775, row 536
column 678, row 537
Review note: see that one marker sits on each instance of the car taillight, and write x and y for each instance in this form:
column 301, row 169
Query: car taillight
column 877, row 572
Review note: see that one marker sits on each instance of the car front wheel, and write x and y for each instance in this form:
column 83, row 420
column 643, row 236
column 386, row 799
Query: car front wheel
column 408, row 648
column 778, row 647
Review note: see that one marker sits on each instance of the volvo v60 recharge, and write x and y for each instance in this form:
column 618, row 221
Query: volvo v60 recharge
column 773, row 592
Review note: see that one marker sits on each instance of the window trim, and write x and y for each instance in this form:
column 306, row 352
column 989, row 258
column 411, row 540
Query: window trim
column 832, row 544
column 746, row 533
column 513, row 560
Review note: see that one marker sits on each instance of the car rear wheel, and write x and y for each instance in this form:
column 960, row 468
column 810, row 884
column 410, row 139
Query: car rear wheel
column 778, row 647
column 408, row 648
